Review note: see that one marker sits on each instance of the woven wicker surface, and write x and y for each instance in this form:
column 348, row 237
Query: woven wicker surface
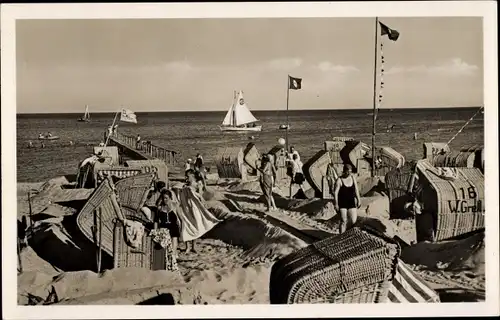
column 102, row 198
column 455, row 159
column 452, row 202
column 315, row 169
column 126, row 256
column 354, row 267
column 229, row 161
column 397, row 182
column 279, row 161
column 133, row 191
column 159, row 167
column 391, row 157
column 333, row 148
column 100, row 173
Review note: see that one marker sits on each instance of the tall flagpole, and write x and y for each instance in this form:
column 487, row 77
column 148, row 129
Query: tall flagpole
column 112, row 125
column 287, row 96
column 374, row 96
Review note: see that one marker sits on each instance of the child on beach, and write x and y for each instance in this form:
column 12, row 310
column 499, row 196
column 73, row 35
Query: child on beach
column 347, row 198
column 267, row 179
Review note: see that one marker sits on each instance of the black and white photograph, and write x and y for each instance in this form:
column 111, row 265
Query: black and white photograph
column 248, row 155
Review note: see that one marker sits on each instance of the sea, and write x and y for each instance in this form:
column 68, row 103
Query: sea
column 198, row 132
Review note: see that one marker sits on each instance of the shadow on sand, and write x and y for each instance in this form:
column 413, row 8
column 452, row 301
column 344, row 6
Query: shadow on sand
column 460, row 295
column 66, row 248
column 164, row 299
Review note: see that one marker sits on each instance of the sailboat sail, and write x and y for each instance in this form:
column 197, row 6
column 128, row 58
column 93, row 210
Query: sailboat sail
column 228, row 119
column 86, row 114
column 238, row 114
column 242, row 114
column 239, row 118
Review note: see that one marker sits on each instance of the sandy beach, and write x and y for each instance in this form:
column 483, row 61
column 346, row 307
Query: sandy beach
column 234, row 259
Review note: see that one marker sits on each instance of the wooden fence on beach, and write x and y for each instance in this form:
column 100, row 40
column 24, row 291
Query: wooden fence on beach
column 145, row 148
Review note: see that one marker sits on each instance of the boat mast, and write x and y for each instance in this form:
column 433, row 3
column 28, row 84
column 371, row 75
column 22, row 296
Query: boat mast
column 287, row 126
column 374, row 96
column 233, row 123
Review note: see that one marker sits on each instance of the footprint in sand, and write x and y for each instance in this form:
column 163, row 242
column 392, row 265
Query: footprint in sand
column 218, row 277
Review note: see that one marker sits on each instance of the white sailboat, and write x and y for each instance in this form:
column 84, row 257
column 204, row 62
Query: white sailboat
column 239, row 118
column 86, row 115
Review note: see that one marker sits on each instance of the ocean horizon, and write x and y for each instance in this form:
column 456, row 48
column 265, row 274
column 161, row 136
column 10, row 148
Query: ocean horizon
column 112, row 113
column 192, row 132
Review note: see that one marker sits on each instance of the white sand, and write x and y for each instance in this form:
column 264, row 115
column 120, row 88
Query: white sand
column 234, row 258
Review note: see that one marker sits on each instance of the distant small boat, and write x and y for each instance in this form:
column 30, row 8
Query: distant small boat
column 239, row 118
column 48, row 138
column 284, row 127
column 86, row 115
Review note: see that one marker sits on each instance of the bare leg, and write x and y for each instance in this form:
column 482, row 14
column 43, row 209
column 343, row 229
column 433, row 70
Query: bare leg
column 193, row 247
column 352, row 217
column 175, row 244
column 188, row 247
column 343, row 220
column 273, row 203
column 268, row 201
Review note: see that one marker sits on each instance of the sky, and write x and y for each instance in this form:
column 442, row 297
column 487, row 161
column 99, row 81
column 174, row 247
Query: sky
column 195, row 64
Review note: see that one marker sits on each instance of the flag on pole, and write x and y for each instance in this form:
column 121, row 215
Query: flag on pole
column 391, row 33
column 128, row 116
column 294, row 83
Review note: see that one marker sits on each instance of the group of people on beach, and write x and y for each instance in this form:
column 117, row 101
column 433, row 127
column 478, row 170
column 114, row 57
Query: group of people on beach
column 346, row 195
column 180, row 212
column 266, row 167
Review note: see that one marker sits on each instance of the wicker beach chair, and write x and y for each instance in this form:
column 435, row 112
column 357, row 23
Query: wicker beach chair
column 251, row 155
column 354, row 267
column 361, row 265
column 451, row 206
column 315, row 169
column 230, row 163
column 280, row 162
column 103, row 218
column 398, row 183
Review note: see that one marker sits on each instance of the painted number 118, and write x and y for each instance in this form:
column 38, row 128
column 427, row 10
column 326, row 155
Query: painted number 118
column 471, row 192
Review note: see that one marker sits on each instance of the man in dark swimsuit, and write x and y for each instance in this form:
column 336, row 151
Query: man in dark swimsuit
column 347, row 198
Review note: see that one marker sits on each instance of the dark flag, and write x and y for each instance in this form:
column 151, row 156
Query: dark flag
column 294, row 83
column 391, row 33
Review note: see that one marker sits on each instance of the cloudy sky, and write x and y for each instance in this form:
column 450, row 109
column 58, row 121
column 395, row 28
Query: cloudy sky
column 195, row 64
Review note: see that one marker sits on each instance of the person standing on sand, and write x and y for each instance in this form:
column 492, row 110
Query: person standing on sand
column 297, row 174
column 195, row 219
column 292, row 152
column 200, row 174
column 198, row 163
column 267, row 180
column 166, row 217
column 347, row 198
column 188, row 165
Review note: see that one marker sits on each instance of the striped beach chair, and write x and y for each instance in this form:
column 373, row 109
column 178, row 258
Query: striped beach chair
column 408, row 287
